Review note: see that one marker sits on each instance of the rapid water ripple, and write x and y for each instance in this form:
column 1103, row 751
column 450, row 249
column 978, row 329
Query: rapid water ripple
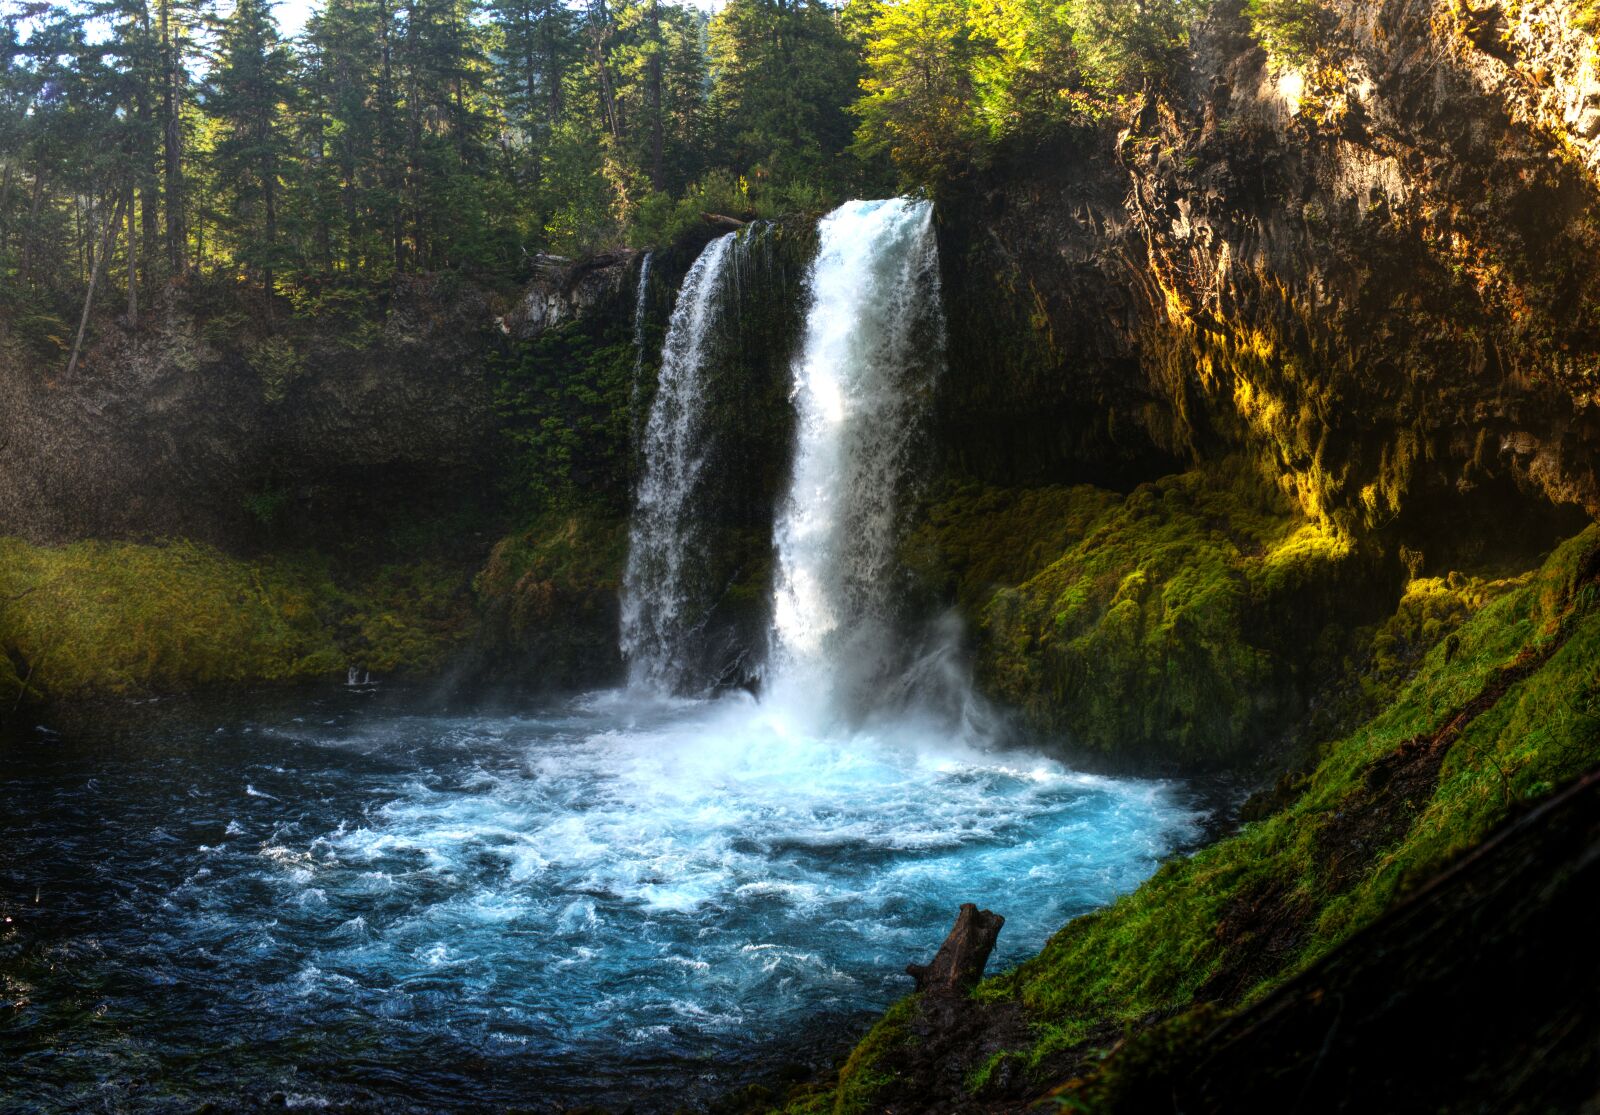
column 609, row 899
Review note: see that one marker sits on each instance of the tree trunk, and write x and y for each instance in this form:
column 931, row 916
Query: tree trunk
column 172, row 144
column 552, row 74
column 29, row 234
column 269, row 182
column 959, row 964
column 653, row 75
column 94, row 281
column 133, row 260
column 5, row 207
column 392, row 176
column 599, row 36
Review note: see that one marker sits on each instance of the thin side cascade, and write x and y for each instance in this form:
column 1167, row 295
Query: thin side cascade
column 641, row 305
column 656, row 599
column 873, row 343
column 641, row 302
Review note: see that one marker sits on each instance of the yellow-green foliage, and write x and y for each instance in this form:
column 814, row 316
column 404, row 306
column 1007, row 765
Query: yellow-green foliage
column 1155, row 949
column 978, row 539
column 1430, row 609
column 549, row 596
column 864, row 1073
column 564, row 556
column 1152, row 620
column 117, row 617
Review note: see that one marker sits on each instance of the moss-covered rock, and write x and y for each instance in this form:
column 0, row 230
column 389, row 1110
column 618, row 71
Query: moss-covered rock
column 1186, row 621
column 549, row 600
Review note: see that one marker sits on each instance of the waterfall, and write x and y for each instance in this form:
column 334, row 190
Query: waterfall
column 873, row 341
column 867, row 352
column 640, row 301
column 657, row 599
column 641, row 307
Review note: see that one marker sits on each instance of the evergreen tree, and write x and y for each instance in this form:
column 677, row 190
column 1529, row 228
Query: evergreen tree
column 250, row 92
column 920, row 101
column 785, row 75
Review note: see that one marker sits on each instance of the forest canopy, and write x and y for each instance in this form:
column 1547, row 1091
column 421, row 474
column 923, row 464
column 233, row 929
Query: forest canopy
column 156, row 139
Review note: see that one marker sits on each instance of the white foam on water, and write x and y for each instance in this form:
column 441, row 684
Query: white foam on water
column 714, row 867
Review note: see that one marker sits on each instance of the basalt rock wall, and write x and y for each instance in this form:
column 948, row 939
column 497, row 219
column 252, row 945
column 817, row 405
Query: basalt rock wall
column 1377, row 273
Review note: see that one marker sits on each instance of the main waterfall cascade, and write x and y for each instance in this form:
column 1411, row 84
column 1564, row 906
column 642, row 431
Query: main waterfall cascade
column 870, row 349
column 874, row 340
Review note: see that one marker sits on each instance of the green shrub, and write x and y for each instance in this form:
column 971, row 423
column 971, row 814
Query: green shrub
column 1290, row 31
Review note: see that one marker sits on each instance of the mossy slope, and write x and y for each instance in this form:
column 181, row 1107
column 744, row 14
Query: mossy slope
column 1185, row 621
column 123, row 618
column 549, row 599
column 1498, row 715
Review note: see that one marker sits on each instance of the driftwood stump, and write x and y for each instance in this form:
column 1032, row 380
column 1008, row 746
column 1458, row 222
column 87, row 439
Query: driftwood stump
column 960, row 961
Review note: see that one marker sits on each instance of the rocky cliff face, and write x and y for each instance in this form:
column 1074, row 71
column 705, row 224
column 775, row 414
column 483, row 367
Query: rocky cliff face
column 564, row 289
column 1376, row 279
column 1376, row 274
column 207, row 424
column 213, row 422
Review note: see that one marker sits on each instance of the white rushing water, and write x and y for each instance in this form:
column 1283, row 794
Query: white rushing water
column 641, row 301
column 873, row 343
column 656, row 598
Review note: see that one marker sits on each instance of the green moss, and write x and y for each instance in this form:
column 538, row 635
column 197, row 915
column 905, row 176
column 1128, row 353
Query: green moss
column 560, row 553
column 865, row 1075
column 1178, row 619
column 115, row 617
column 565, row 400
column 549, row 597
column 1226, row 925
column 978, row 1079
column 1152, row 951
column 979, row 539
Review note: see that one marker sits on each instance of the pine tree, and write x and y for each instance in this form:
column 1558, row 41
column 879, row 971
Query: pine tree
column 250, row 90
column 785, row 76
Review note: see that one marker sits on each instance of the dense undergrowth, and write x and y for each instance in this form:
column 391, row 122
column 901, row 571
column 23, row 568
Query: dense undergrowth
column 123, row 618
column 1502, row 710
column 549, row 597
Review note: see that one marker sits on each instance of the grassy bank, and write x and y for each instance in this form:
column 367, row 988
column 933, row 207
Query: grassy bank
column 124, row 618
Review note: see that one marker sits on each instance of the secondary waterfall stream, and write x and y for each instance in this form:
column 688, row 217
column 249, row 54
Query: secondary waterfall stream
column 623, row 897
column 663, row 534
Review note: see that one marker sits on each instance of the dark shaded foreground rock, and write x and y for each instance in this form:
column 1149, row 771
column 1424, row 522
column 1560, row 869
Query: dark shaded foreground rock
column 1478, row 994
column 958, row 966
